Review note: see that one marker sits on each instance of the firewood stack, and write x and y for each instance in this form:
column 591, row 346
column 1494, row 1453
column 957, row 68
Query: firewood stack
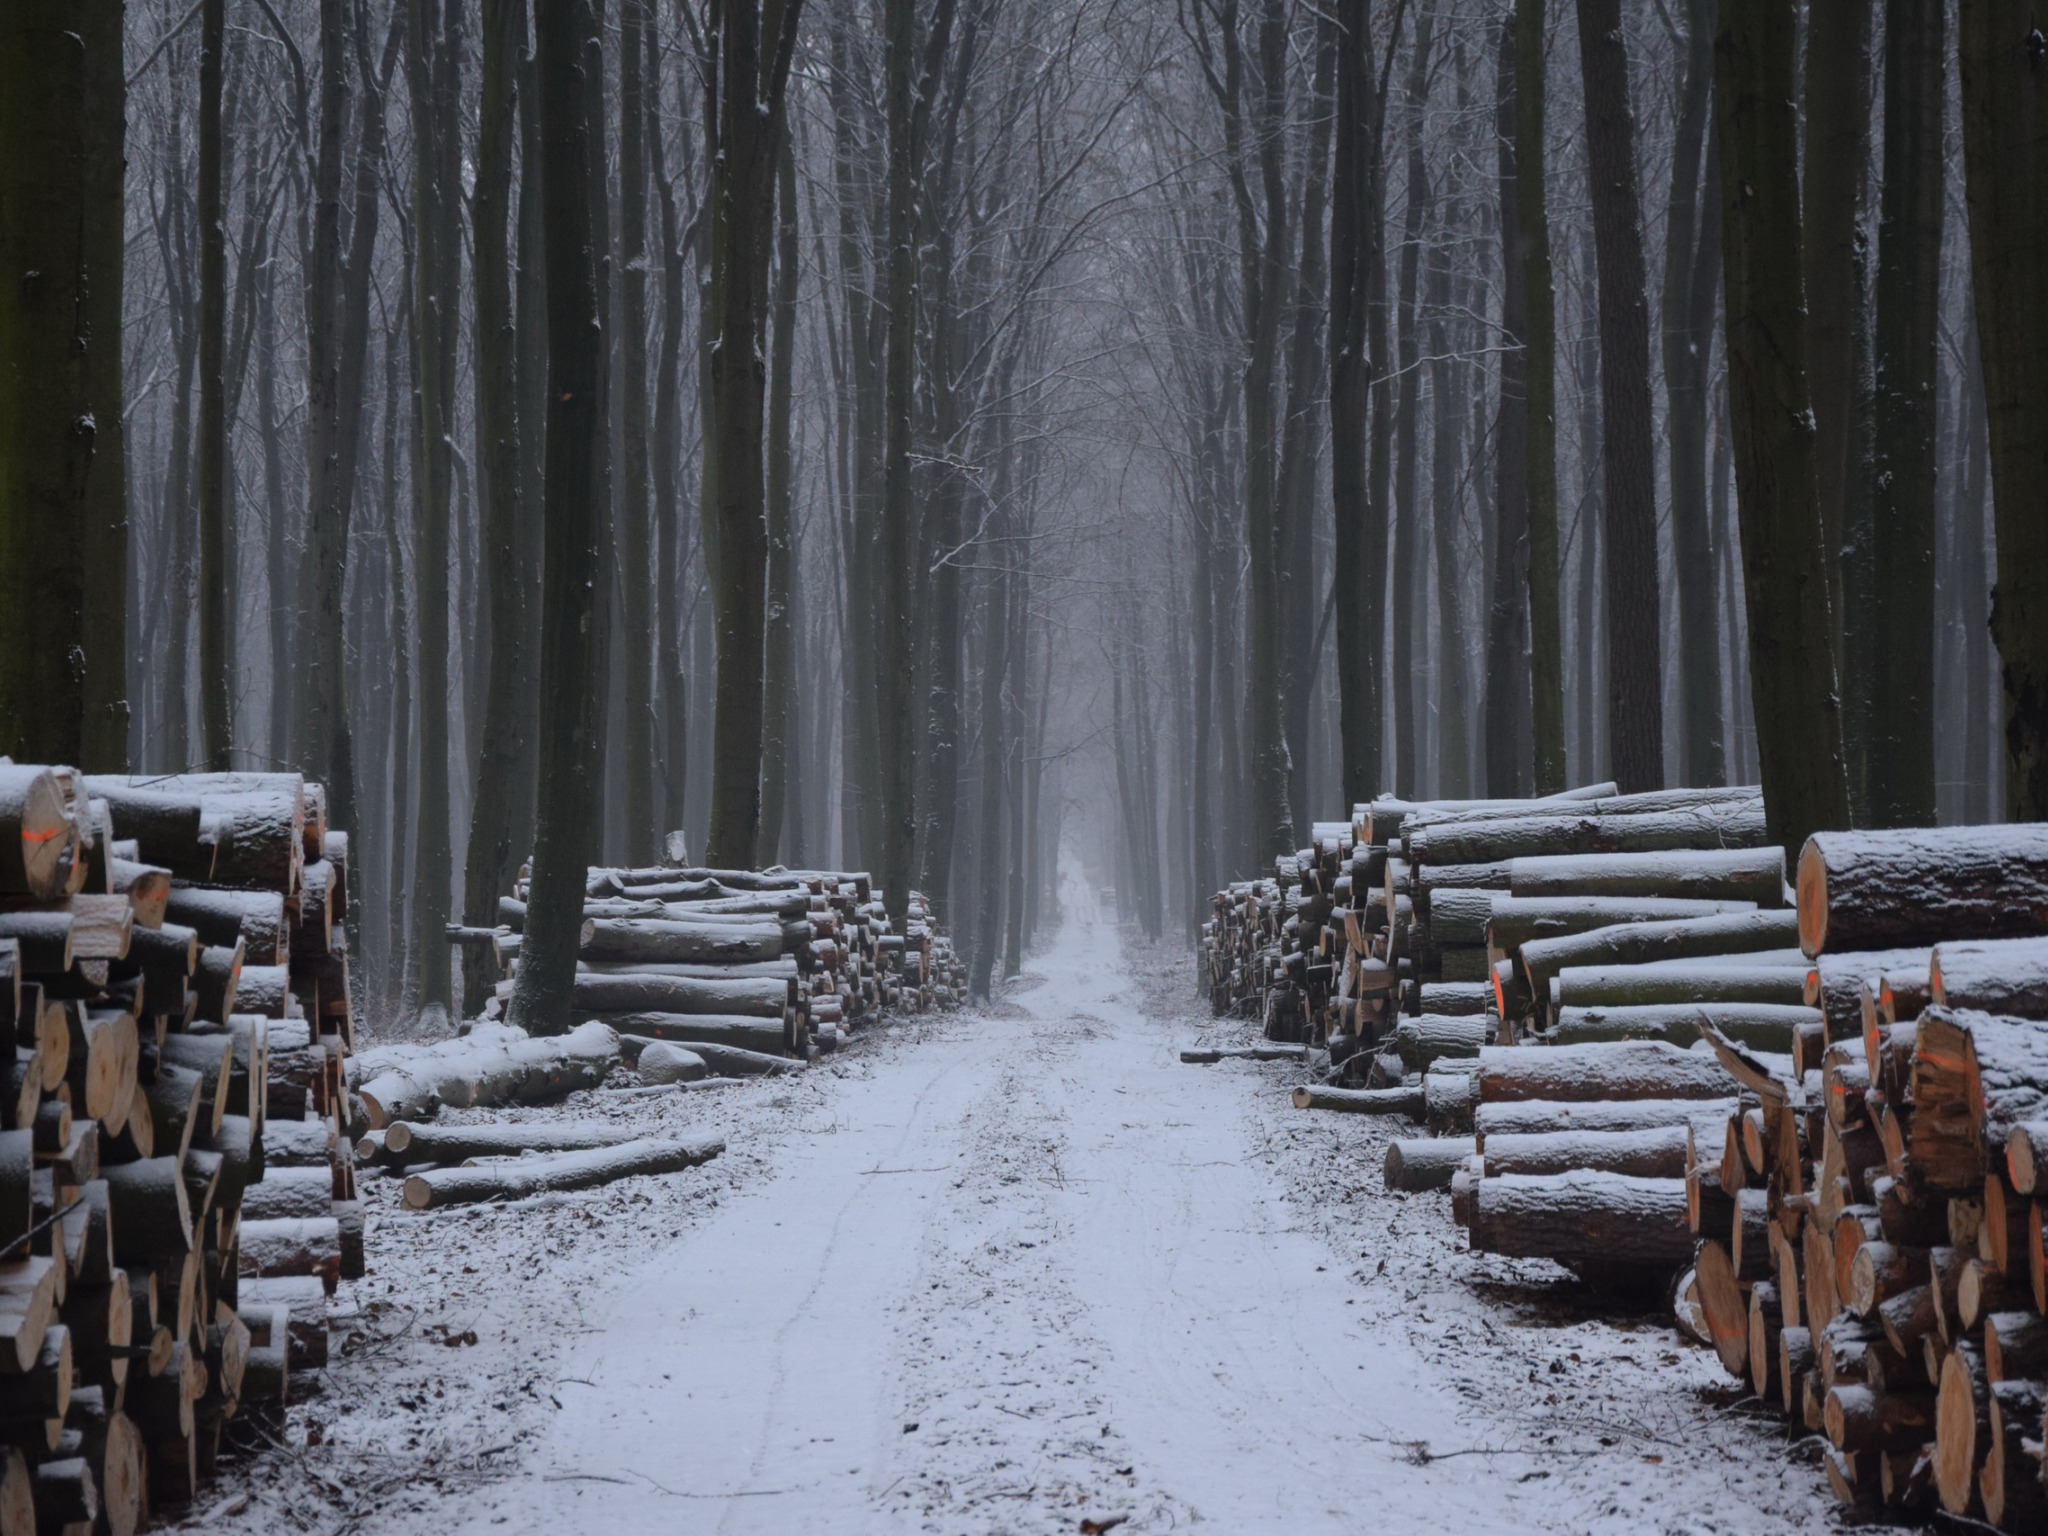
column 174, row 1209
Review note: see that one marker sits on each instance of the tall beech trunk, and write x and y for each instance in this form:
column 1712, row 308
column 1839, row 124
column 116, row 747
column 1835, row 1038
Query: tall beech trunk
column 1901, row 761
column 2005, row 158
column 637, row 821
column 779, row 682
column 1263, row 257
column 62, row 497
column 895, row 656
column 1538, row 334
column 1837, row 158
column 1405, row 511
column 755, row 45
column 433, row 79
column 1301, row 436
column 1792, row 665
column 1358, row 526
column 502, row 812
column 315, row 721
column 567, row 46
column 666, row 432
column 995, row 763
column 1507, row 675
column 1446, row 476
column 215, row 620
column 1635, row 705
column 1692, row 250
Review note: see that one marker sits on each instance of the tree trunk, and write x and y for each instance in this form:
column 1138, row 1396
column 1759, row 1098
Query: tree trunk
column 1301, row 439
column 1358, row 526
column 1901, row 763
column 1837, row 155
column 2005, row 157
column 323, row 708
column 895, row 663
column 60, row 390
column 1507, row 677
column 433, row 62
column 1635, row 706
column 567, row 46
column 779, row 710
column 1791, row 662
column 215, row 621
column 995, row 763
column 103, row 533
column 1973, row 582
column 1538, row 334
column 504, row 766
column 637, row 817
column 1405, row 510
column 1691, row 266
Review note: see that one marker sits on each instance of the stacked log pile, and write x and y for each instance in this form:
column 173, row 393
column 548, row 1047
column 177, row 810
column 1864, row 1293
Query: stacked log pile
column 769, row 961
column 1822, row 1123
column 174, row 1210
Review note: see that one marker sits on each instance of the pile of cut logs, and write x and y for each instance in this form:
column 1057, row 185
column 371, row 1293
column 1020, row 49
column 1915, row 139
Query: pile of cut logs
column 174, row 1210
column 1814, row 1117
column 773, row 962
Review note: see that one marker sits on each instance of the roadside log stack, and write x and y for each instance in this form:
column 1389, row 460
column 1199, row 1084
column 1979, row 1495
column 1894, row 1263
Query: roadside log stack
column 175, row 1204
column 772, row 961
column 1819, row 1117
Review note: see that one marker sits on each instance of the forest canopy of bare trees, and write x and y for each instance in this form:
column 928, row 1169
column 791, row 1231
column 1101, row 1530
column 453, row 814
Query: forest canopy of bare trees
column 917, row 435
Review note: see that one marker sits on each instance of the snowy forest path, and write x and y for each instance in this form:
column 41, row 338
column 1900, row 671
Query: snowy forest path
column 1030, row 1271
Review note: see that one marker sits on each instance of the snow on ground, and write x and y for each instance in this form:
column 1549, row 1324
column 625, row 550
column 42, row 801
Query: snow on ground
column 1006, row 1272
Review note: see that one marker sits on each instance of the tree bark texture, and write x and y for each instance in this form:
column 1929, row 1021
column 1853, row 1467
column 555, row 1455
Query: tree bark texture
column 1901, row 741
column 1837, row 157
column 504, row 783
column 1635, row 705
column 1692, row 268
column 1791, row 659
column 215, row 685
column 1507, row 676
column 61, row 110
column 566, row 47
column 2005, row 158
column 1539, row 383
column 1358, row 527
column 636, row 638
column 779, row 682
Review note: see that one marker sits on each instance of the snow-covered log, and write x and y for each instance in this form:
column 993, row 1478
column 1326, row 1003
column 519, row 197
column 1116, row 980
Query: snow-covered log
column 1632, row 1069
column 1976, row 1076
column 1711, row 824
column 1657, row 1153
column 1208, row 1056
column 1870, row 890
column 1431, row 1037
column 1756, row 875
column 407, row 1141
column 517, row 1178
column 1543, row 1116
column 2008, row 976
column 1362, row 1101
column 1766, row 1026
column 222, row 916
column 1605, row 1222
column 664, row 940
column 638, row 993
column 1516, row 920
column 1769, row 976
column 1418, row 1163
column 1641, row 943
column 492, row 1064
